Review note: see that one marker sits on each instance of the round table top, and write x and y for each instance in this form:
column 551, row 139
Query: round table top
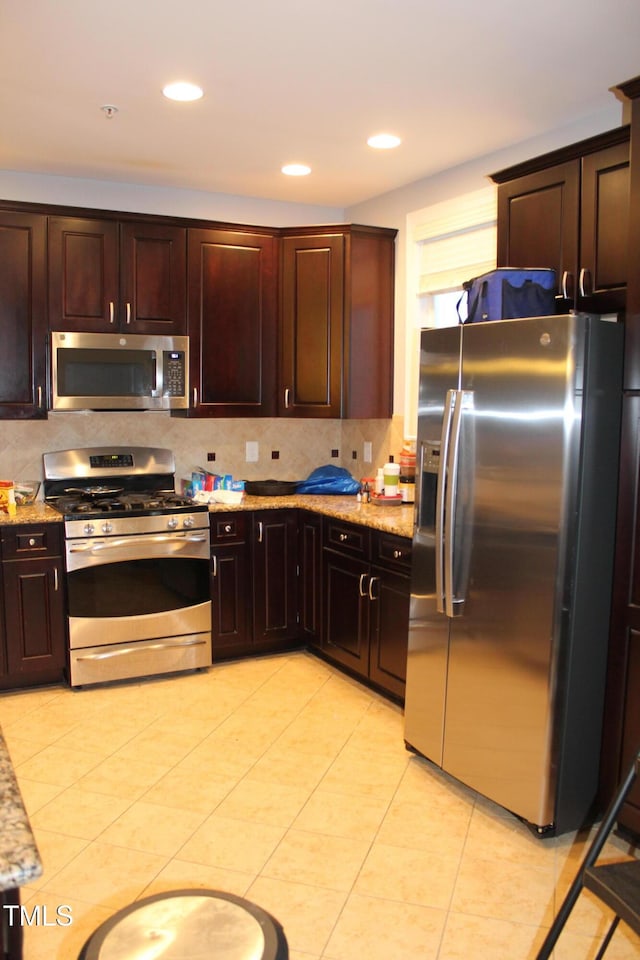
column 188, row 925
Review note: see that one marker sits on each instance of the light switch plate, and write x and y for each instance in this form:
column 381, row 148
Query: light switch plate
column 367, row 453
column 251, row 451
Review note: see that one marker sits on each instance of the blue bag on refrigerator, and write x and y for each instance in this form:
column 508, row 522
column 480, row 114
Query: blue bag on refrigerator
column 508, row 293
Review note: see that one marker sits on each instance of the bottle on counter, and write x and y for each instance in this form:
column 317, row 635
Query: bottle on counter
column 379, row 483
column 391, row 473
column 407, row 489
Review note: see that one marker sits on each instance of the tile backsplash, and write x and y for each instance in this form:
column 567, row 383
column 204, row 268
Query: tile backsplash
column 287, row 449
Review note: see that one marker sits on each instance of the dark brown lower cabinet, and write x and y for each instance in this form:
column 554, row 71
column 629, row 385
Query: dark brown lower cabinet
column 253, row 582
column 310, row 577
column 366, row 590
column 275, row 578
column 229, row 578
column 621, row 735
column 34, row 608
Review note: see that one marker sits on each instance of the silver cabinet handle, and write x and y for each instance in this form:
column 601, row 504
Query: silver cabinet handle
column 584, row 282
column 397, row 554
column 195, row 396
column 260, row 531
column 214, row 570
column 39, row 396
column 373, row 580
column 128, row 312
column 361, row 589
column 287, row 398
column 55, row 579
column 112, row 311
column 343, row 537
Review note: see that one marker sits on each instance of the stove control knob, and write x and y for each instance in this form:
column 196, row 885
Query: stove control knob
column 172, row 523
column 88, row 529
column 188, row 522
column 107, row 527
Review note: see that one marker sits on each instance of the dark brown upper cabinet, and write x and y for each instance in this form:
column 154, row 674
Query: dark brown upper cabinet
column 23, row 319
column 232, row 323
column 110, row 276
column 336, row 350
column 569, row 210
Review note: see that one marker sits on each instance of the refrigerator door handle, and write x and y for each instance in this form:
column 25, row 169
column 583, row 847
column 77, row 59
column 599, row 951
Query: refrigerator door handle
column 453, row 603
column 441, row 491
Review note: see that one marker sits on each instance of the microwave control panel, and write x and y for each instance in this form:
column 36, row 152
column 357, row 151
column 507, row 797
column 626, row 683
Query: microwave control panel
column 174, row 373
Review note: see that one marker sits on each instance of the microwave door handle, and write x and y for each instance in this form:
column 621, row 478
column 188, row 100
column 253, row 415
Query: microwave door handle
column 441, row 484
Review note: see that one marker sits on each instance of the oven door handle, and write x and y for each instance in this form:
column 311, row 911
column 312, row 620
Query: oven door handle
column 162, row 645
column 117, row 542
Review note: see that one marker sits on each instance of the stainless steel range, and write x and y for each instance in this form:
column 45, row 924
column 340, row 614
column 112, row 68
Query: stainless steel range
column 137, row 563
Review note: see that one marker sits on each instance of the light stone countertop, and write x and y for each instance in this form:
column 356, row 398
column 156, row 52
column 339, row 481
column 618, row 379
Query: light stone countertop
column 38, row 512
column 19, row 858
column 396, row 519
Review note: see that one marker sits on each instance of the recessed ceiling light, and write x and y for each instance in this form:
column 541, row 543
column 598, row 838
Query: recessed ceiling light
column 182, row 91
column 296, row 169
column 384, row 141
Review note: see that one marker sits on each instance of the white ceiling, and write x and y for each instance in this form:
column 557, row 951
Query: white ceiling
column 303, row 80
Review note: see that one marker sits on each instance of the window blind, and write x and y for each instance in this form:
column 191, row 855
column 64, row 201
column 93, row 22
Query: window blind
column 456, row 240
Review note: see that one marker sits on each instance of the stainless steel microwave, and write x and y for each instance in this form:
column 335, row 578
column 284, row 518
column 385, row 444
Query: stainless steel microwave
column 112, row 371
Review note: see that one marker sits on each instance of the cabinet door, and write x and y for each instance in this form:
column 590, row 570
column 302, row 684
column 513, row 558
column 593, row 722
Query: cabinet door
column 621, row 730
column 275, row 602
column 538, row 222
column 83, row 275
column 346, row 610
column 34, row 618
column 310, row 576
column 153, row 278
column 232, row 323
column 229, row 581
column 312, row 326
column 604, row 229
column 23, row 327
column 389, row 594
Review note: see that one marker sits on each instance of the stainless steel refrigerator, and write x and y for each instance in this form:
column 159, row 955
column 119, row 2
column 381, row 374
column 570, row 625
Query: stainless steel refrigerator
column 517, row 445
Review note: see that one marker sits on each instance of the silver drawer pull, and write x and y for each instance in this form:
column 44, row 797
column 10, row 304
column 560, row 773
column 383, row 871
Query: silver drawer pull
column 343, row 537
column 164, row 645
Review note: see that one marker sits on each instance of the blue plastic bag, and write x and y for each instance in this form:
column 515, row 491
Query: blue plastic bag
column 329, row 480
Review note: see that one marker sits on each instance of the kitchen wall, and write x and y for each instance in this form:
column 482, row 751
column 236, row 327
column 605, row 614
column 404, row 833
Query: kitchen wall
column 302, row 444
column 392, row 209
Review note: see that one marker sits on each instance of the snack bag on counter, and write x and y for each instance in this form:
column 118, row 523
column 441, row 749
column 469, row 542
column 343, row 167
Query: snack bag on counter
column 7, row 497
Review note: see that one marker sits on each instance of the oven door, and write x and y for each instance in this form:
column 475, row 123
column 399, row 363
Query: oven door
column 138, row 605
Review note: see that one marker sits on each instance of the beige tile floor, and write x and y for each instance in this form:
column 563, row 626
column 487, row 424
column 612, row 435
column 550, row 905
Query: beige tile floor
column 281, row 780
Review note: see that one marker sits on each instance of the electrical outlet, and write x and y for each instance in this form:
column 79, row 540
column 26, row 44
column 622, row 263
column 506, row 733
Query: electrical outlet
column 251, row 451
column 367, row 453
column 211, row 457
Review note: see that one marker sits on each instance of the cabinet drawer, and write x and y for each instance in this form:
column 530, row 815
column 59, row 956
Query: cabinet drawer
column 228, row 527
column 392, row 550
column 31, row 540
column 348, row 538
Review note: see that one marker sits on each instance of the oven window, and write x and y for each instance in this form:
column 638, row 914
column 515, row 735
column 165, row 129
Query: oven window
column 134, row 588
column 106, row 373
